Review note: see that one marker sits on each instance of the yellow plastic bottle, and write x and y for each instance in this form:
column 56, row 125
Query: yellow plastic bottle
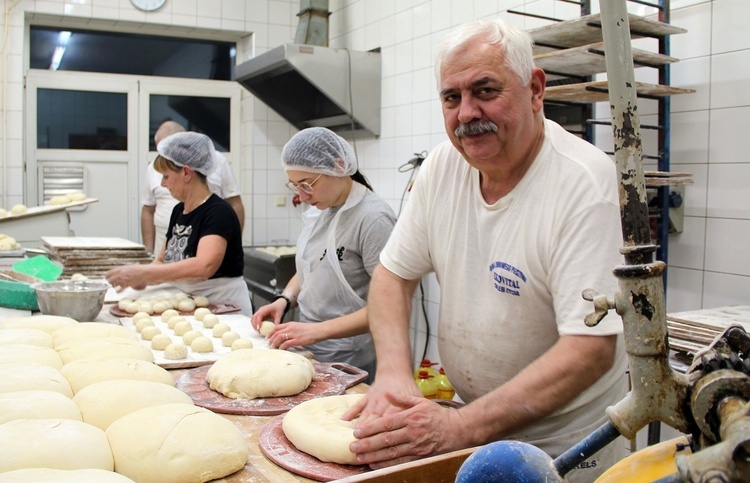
column 426, row 365
column 444, row 387
column 426, row 384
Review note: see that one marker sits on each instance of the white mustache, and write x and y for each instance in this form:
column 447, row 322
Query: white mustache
column 475, row 127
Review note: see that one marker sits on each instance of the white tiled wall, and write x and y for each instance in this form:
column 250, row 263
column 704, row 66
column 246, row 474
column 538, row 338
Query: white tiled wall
column 709, row 263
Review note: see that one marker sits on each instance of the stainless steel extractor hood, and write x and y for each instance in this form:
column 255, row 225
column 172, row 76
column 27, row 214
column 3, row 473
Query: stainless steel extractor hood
column 311, row 85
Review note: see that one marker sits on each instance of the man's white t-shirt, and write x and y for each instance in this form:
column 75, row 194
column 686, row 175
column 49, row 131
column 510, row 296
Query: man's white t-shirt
column 221, row 181
column 511, row 274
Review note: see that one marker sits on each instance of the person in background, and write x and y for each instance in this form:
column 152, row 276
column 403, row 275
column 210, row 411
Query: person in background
column 203, row 252
column 157, row 203
column 343, row 232
column 516, row 217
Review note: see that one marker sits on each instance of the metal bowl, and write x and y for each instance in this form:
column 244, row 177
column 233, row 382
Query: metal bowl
column 78, row 299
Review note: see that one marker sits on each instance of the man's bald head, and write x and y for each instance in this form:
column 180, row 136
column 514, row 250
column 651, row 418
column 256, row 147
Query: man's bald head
column 167, row 129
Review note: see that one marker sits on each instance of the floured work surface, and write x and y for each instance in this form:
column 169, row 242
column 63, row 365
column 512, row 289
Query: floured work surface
column 237, row 322
column 331, row 379
column 692, row 330
column 277, row 448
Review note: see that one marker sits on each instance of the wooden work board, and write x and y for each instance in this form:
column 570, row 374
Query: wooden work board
column 691, row 331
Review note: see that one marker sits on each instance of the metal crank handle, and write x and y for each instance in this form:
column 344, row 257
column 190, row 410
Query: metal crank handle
column 602, row 305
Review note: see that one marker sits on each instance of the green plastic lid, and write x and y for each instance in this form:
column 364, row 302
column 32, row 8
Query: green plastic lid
column 40, row 267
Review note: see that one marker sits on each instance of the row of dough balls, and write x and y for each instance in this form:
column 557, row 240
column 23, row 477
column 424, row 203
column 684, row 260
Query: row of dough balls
column 67, row 198
column 94, row 415
column 8, row 243
column 18, row 209
column 191, row 337
column 160, row 303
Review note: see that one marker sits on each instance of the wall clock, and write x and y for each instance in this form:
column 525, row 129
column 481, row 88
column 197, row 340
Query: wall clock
column 148, row 5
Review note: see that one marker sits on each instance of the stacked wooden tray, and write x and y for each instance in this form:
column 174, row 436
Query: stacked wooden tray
column 93, row 256
column 691, row 331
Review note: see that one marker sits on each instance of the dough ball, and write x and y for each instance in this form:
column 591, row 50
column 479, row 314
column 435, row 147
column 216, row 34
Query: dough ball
column 26, row 336
column 168, row 314
column 26, row 353
column 186, row 305
column 181, row 296
column 90, row 330
column 183, row 327
column 202, row 345
column 58, row 200
column 173, row 321
column 140, row 315
column 146, row 307
column 228, row 338
column 220, row 328
column 49, row 475
column 316, row 428
column 200, row 312
column 77, row 196
column 210, row 321
column 160, row 307
column 33, row 377
column 175, row 351
column 104, row 348
column 3, row 212
column 148, row 333
column 185, row 443
column 18, row 209
column 84, row 372
column 53, row 443
column 189, row 336
column 122, row 303
column 103, row 403
column 36, row 404
column 47, row 323
column 143, row 323
column 241, row 344
column 133, row 307
column 201, row 301
column 78, row 276
column 265, row 327
column 160, row 342
column 254, row 373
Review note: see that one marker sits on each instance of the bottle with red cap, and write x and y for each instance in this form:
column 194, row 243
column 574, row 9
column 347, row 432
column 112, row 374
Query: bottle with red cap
column 426, row 384
column 444, row 387
column 426, row 365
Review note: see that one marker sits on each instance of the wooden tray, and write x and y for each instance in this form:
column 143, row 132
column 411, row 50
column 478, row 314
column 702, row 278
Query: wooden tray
column 331, row 379
column 277, row 448
column 214, row 308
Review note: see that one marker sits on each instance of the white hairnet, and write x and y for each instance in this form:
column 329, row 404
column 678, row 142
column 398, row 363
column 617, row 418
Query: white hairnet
column 191, row 149
column 319, row 150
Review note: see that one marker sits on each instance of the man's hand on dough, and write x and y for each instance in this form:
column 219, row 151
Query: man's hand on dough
column 419, row 428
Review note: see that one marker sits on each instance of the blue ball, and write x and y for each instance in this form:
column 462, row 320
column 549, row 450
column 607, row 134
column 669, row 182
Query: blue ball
column 508, row 461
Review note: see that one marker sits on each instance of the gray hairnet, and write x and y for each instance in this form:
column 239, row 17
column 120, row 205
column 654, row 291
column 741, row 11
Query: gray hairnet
column 191, row 149
column 319, row 150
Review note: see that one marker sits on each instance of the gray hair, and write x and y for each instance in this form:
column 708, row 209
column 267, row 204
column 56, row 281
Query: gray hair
column 513, row 41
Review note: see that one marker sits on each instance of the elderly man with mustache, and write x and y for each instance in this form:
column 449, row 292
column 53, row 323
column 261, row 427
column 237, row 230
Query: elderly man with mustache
column 516, row 217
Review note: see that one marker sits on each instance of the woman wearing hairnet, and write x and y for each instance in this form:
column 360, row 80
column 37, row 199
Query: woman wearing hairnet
column 338, row 248
column 203, row 254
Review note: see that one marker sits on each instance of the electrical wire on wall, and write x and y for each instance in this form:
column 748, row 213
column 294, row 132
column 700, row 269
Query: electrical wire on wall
column 412, row 166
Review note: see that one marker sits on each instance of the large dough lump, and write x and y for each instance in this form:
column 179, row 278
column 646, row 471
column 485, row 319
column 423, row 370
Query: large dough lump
column 315, row 427
column 254, row 373
column 48, row 475
column 35, row 404
column 26, row 336
column 47, row 323
column 84, row 372
column 103, row 348
column 105, row 402
column 32, row 377
column 53, row 443
column 184, row 443
column 26, row 353
column 64, row 335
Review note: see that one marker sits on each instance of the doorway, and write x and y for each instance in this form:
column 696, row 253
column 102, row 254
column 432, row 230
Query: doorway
column 96, row 131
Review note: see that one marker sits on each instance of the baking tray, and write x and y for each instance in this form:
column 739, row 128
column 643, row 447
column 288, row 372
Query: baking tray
column 331, row 379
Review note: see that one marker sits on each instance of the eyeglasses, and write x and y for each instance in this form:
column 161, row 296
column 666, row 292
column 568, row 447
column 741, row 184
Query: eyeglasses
column 304, row 187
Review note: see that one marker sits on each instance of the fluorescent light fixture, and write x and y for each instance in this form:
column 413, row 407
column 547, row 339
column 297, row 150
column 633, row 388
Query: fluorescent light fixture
column 62, row 41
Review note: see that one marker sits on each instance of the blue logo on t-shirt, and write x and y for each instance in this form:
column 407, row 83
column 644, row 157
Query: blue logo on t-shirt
column 507, row 278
